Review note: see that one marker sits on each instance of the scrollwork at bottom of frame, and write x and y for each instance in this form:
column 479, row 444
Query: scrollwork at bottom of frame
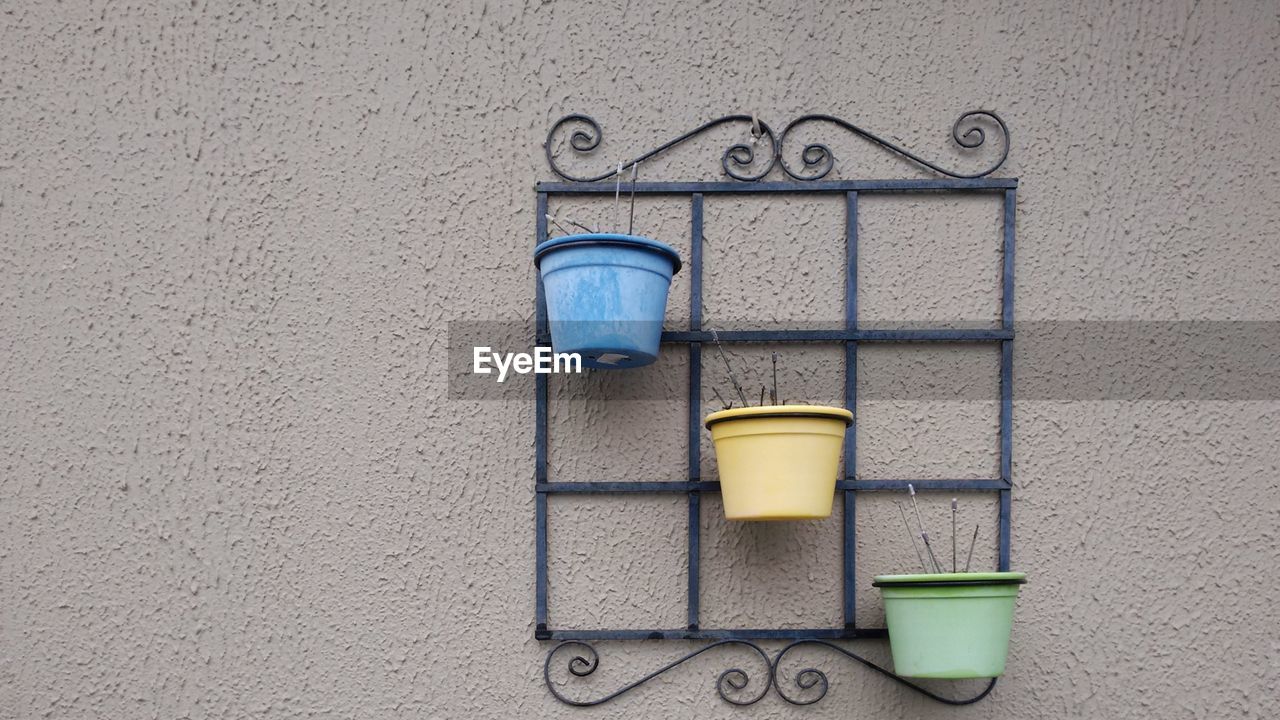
column 735, row 685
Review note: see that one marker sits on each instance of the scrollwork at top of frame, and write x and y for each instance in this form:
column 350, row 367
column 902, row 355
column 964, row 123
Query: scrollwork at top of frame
column 817, row 158
column 741, row 155
column 966, row 131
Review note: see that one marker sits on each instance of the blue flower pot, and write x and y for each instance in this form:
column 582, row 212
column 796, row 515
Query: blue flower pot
column 606, row 296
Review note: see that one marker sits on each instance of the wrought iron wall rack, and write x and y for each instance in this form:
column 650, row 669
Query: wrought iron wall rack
column 738, row 161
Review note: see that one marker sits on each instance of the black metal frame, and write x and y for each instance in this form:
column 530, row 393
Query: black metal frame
column 819, row 158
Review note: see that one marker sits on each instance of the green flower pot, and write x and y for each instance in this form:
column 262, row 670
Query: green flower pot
column 950, row 625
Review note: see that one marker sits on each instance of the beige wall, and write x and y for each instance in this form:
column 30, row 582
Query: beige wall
column 234, row 483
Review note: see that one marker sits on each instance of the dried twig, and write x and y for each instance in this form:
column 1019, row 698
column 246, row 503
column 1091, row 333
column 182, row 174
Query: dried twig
column 911, row 535
column 727, row 405
column 953, row 534
column 773, row 397
column 732, row 378
column 971, row 544
column 575, row 223
column 617, row 193
column 580, row 225
column 552, row 219
column 923, row 533
column 635, row 171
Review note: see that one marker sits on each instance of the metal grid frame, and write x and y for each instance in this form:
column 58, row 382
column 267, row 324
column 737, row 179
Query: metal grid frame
column 851, row 336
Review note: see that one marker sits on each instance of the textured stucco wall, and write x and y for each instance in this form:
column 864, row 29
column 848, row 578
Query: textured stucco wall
column 233, row 482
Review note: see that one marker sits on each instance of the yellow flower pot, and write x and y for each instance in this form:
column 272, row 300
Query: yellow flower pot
column 778, row 462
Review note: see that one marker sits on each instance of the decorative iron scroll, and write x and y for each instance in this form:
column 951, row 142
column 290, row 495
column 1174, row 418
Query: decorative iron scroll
column 817, row 155
column 809, row 678
column 735, row 678
column 732, row 681
column 741, row 154
column 816, row 158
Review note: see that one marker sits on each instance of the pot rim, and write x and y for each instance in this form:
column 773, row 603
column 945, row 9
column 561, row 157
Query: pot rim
column 776, row 411
column 950, row 579
column 635, row 241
